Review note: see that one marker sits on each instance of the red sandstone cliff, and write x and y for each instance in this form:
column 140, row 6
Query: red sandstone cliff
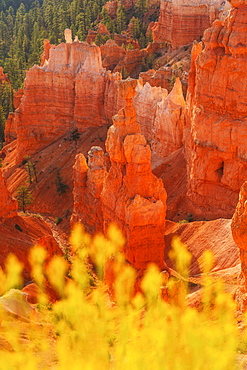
column 128, row 194
column 67, row 92
column 8, row 205
column 216, row 117
column 181, row 22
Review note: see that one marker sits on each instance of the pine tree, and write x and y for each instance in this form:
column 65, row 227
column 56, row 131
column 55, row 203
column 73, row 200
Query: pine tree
column 121, row 18
column 2, row 126
column 24, row 197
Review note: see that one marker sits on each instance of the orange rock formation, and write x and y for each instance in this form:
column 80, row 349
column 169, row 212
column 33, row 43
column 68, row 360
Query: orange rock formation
column 8, row 205
column 216, row 119
column 239, row 231
column 88, row 184
column 3, row 76
column 67, row 92
column 161, row 117
column 129, row 194
column 116, row 58
column 181, row 22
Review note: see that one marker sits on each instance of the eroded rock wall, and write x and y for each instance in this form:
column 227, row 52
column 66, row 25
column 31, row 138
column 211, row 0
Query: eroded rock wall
column 181, row 22
column 216, row 118
column 130, row 195
column 67, row 92
column 8, row 205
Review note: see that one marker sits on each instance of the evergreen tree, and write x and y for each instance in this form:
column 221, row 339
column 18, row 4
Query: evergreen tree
column 2, row 126
column 24, row 197
column 121, row 18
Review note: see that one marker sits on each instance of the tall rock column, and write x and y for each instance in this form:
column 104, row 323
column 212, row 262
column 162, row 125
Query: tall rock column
column 216, row 123
column 88, row 184
column 132, row 197
column 239, row 233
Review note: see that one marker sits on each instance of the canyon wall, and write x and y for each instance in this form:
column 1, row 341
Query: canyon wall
column 8, row 205
column 216, row 124
column 66, row 93
column 128, row 194
column 183, row 21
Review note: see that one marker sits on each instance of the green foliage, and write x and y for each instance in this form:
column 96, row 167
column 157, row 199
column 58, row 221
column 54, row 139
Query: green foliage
column 141, row 6
column 124, row 73
column 6, row 106
column 58, row 220
column 100, row 39
column 24, row 197
column 147, row 62
column 121, row 18
column 60, row 185
column 135, row 27
column 129, row 47
column 31, row 170
column 25, row 24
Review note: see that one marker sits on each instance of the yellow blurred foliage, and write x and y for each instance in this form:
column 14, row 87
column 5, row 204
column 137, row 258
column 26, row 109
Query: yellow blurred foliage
column 86, row 329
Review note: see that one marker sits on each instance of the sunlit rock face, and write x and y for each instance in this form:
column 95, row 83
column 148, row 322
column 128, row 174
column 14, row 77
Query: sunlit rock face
column 183, row 21
column 128, row 194
column 8, row 205
column 216, row 123
column 239, row 233
column 70, row 90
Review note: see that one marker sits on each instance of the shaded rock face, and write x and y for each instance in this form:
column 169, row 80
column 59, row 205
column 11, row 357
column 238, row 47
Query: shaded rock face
column 67, row 92
column 181, row 22
column 129, row 194
column 88, row 185
column 216, row 116
column 3, row 76
column 116, row 58
column 8, row 205
column 239, row 231
column 161, row 77
column 161, row 117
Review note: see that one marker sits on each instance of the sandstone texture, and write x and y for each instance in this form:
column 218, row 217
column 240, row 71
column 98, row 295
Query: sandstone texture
column 158, row 78
column 127, row 60
column 161, row 117
column 200, row 236
column 68, row 92
column 239, row 231
column 8, row 205
column 19, row 234
column 88, row 185
column 216, row 117
column 128, row 194
column 183, row 21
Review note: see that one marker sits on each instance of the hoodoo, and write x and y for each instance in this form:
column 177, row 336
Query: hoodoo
column 131, row 196
column 65, row 93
